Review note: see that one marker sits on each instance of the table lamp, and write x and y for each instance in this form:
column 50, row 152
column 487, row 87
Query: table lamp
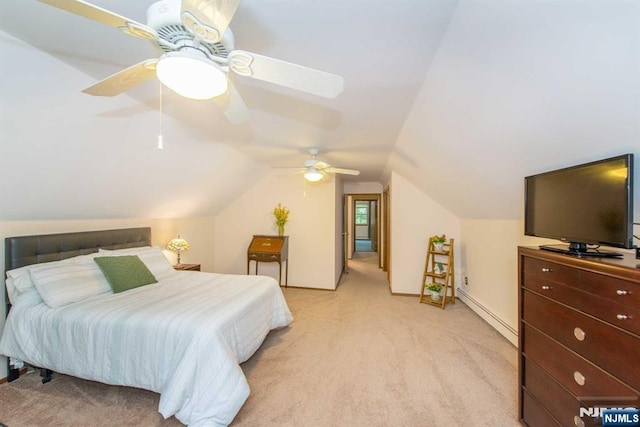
column 178, row 245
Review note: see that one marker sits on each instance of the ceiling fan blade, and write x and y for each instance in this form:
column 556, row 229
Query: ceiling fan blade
column 286, row 74
column 233, row 106
column 342, row 171
column 208, row 19
column 106, row 17
column 124, row 80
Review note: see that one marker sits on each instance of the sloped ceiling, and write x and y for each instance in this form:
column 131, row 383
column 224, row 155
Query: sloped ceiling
column 518, row 88
column 70, row 154
column 463, row 98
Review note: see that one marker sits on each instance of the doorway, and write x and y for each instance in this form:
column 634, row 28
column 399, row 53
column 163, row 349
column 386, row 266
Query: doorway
column 365, row 225
column 361, row 227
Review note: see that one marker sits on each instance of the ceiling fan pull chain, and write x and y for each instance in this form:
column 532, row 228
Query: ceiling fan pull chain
column 160, row 137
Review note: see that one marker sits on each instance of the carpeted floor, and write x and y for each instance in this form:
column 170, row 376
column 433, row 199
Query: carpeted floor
column 355, row 357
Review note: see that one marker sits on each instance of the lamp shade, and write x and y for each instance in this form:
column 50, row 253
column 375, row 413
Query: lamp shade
column 191, row 76
column 313, row 175
column 178, row 245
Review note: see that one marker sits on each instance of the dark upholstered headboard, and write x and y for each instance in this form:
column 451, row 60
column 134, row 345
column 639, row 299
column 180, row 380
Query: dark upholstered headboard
column 27, row 250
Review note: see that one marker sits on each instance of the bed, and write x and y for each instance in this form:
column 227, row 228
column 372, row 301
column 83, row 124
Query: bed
column 183, row 336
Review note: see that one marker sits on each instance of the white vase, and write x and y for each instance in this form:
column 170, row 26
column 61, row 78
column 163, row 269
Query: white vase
column 438, row 247
column 435, row 296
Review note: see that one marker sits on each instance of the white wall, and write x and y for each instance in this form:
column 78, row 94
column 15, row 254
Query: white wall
column 311, row 229
column 414, row 218
column 197, row 231
column 490, row 262
column 364, row 187
column 362, row 231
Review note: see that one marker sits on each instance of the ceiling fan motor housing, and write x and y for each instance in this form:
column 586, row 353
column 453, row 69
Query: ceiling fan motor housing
column 165, row 17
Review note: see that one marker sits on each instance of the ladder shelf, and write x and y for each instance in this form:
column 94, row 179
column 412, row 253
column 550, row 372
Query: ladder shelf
column 439, row 269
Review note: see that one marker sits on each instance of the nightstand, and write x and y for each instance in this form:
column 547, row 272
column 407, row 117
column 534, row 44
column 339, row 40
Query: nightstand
column 192, row 267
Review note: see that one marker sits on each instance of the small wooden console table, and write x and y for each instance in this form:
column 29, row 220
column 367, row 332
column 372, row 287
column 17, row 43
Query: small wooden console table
column 270, row 249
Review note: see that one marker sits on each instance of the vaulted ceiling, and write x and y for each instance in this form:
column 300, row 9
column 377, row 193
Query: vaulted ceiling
column 464, row 98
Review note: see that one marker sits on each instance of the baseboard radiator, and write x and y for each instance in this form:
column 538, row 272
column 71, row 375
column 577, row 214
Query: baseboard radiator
column 494, row 320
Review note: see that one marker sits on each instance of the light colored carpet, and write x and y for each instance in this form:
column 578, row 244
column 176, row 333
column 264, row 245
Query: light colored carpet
column 355, row 357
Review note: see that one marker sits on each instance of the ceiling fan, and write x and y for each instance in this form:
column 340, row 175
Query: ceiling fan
column 198, row 53
column 314, row 170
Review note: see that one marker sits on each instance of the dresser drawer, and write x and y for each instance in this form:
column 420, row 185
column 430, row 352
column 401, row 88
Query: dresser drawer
column 264, row 257
column 606, row 346
column 559, row 402
column 534, row 415
column 577, row 375
column 539, row 273
column 622, row 315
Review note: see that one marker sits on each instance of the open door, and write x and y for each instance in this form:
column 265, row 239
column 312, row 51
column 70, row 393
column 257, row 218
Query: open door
column 385, row 258
column 345, row 234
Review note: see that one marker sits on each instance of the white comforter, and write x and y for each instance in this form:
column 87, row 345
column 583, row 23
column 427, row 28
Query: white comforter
column 183, row 337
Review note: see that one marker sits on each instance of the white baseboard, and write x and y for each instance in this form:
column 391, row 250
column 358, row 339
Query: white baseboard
column 488, row 316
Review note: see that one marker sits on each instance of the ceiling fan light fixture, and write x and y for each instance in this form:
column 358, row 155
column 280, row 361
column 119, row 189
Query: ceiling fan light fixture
column 313, row 175
column 190, row 76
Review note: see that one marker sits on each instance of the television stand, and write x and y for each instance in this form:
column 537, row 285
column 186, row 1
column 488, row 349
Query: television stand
column 583, row 252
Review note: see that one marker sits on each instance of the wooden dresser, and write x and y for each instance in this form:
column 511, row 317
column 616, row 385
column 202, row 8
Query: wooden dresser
column 270, row 249
column 579, row 337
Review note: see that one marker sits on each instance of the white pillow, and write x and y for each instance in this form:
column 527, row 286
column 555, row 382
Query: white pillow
column 22, row 279
column 12, row 292
column 65, row 283
column 30, row 296
column 152, row 257
column 128, row 251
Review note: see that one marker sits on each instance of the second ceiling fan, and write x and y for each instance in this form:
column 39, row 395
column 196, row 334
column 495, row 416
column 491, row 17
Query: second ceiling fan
column 315, row 170
column 198, row 53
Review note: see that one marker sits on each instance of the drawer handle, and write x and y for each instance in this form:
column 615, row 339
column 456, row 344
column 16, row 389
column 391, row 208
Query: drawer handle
column 622, row 316
column 578, row 421
column 579, row 378
column 546, row 287
column 579, row 334
column 546, row 270
column 621, row 292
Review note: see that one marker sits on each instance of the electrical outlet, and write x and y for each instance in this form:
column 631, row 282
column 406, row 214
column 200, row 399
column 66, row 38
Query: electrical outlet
column 466, row 281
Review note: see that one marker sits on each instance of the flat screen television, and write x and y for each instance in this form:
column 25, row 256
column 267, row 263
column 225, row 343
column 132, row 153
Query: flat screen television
column 586, row 206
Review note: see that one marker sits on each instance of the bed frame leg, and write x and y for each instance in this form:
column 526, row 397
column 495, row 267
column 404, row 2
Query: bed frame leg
column 46, row 375
column 13, row 374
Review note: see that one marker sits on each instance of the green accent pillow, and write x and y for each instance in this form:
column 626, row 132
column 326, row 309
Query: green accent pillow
column 125, row 272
